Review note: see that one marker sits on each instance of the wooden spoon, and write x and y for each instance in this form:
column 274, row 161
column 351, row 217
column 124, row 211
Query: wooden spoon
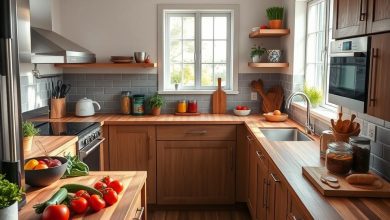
column 333, row 123
column 339, row 123
column 350, row 127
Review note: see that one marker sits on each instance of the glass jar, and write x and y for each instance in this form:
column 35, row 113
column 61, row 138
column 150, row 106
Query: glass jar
column 192, row 106
column 182, row 106
column 138, row 104
column 338, row 158
column 361, row 154
column 126, row 102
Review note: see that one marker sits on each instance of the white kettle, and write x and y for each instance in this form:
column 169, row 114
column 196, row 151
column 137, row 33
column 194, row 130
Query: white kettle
column 84, row 107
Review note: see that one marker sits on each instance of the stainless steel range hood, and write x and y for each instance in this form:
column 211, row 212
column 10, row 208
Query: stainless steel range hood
column 50, row 47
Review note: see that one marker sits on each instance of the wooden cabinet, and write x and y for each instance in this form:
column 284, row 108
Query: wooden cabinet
column 379, row 18
column 277, row 194
column 133, row 148
column 242, row 164
column 296, row 211
column 379, row 89
column 195, row 172
column 69, row 150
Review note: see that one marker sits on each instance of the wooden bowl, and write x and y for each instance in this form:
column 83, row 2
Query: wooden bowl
column 275, row 118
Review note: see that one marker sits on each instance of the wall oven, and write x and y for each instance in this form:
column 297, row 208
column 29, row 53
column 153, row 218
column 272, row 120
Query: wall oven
column 348, row 73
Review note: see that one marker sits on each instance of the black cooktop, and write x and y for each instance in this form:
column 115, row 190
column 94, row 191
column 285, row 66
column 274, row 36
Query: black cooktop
column 64, row 128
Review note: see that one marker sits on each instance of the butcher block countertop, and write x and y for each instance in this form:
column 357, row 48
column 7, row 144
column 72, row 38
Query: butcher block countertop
column 52, row 144
column 289, row 157
column 133, row 182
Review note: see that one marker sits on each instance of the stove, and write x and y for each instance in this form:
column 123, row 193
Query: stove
column 65, row 128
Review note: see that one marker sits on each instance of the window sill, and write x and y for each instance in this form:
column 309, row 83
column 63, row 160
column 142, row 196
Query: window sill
column 321, row 113
column 195, row 92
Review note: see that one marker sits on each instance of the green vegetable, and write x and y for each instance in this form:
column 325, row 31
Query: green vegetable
column 9, row 193
column 257, row 50
column 56, row 199
column 29, row 130
column 275, row 13
column 75, row 167
column 156, row 101
column 314, row 94
column 72, row 188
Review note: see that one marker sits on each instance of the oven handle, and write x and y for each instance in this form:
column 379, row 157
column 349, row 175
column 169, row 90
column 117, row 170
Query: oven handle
column 85, row 151
column 352, row 54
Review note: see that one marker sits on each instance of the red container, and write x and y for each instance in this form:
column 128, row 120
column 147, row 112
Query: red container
column 192, row 106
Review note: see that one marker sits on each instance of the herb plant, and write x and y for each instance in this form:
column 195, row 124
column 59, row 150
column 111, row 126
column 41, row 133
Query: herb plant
column 156, row 101
column 29, row 129
column 257, row 50
column 275, row 13
column 176, row 78
column 314, row 94
column 9, row 193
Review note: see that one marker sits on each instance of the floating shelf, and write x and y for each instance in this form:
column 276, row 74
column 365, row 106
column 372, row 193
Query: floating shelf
column 106, row 65
column 269, row 33
column 268, row 65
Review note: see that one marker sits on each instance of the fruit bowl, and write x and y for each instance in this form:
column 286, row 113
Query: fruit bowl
column 241, row 112
column 45, row 177
column 270, row 116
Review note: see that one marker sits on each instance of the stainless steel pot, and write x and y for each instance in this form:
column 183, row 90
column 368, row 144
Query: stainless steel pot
column 139, row 57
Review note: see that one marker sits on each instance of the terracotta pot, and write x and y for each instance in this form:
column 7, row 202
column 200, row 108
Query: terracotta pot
column 156, row 111
column 27, row 143
column 275, row 24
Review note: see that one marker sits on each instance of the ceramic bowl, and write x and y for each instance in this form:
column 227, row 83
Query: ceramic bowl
column 241, row 112
column 47, row 176
column 274, row 56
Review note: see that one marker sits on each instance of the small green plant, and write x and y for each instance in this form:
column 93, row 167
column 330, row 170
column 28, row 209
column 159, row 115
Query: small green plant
column 156, row 101
column 29, row 129
column 257, row 51
column 176, row 78
column 275, row 13
column 9, row 193
column 314, row 94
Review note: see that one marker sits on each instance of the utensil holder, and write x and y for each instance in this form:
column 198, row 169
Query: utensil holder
column 345, row 137
column 57, row 108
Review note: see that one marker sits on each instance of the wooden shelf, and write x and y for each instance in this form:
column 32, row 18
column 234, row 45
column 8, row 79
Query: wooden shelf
column 268, row 65
column 269, row 33
column 106, row 65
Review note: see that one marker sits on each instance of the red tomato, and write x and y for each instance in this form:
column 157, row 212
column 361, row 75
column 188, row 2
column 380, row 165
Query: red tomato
column 79, row 205
column 57, row 212
column 110, row 196
column 97, row 203
column 100, row 186
column 116, row 185
column 84, row 194
column 239, row 107
column 107, row 180
column 244, row 108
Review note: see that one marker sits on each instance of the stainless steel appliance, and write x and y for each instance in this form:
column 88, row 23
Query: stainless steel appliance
column 348, row 74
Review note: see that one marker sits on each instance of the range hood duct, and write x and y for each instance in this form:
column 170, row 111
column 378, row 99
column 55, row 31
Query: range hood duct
column 50, row 47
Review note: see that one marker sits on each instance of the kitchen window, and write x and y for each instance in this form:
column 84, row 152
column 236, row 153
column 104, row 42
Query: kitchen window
column 196, row 47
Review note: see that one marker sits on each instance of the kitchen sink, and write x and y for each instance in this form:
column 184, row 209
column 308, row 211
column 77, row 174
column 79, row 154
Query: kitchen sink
column 284, row 134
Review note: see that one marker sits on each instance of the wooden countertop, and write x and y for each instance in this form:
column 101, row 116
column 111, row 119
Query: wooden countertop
column 132, row 182
column 52, row 144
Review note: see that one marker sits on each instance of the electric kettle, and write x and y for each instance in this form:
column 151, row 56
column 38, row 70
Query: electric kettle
column 84, row 107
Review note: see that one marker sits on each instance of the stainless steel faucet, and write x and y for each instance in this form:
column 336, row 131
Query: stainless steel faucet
column 309, row 128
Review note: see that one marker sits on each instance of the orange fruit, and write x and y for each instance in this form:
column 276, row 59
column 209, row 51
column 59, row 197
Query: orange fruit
column 277, row 112
column 31, row 164
column 41, row 167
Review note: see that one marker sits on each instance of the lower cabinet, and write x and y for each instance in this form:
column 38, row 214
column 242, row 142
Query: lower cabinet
column 195, row 172
column 277, row 199
column 296, row 211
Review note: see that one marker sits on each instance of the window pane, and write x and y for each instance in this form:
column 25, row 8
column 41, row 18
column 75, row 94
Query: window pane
column 311, row 48
column 189, row 75
column 207, row 75
column 176, row 73
column 207, row 51
column 207, row 27
column 220, row 52
column 175, row 53
column 220, row 72
column 188, row 51
column 189, row 28
column 220, row 27
column 311, row 74
column 320, row 46
column 312, row 19
column 175, row 27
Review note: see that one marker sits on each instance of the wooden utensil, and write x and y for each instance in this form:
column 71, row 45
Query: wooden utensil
column 219, row 100
column 272, row 100
column 350, row 127
column 339, row 123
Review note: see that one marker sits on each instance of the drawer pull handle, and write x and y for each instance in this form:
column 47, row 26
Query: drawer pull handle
column 139, row 213
column 260, row 155
column 249, row 138
column 291, row 216
column 197, row 132
column 276, row 179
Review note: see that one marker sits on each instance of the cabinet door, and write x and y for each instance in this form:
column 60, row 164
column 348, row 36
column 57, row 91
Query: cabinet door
column 134, row 148
column 378, row 16
column 296, row 210
column 252, row 180
column 277, row 194
column 349, row 18
column 262, row 187
column 195, row 172
column 242, row 163
column 379, row 89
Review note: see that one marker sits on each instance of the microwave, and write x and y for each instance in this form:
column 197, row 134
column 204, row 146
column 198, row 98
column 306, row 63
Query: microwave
column 348, row 73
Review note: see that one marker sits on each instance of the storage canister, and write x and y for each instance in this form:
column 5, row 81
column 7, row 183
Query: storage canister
column 338, row 158
column 126, row 102
column 182, row 106
column 192, row 106
column 361, row 154
column 138, row 104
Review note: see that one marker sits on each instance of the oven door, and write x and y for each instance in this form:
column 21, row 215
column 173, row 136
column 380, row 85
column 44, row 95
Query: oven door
column 91, row 154
column 348, row 80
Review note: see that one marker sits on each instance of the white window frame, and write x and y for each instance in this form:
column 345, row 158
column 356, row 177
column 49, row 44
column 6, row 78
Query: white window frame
column 213, row 10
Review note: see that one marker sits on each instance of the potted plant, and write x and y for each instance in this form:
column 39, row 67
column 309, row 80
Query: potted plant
column 275, row 17
column 10, row 195
column 29, row 131
column 314, row 95
column 176, row 79
column 156, row 102
column 256, row 53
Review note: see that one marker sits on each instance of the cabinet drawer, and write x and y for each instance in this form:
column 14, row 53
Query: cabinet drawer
column 196, row 132
column 137, row 211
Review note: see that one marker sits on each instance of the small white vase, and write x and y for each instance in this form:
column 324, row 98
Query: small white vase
column 177, row 86
column 256, row 59
column 10, row 213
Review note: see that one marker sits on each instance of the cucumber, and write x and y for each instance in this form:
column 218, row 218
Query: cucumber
column 73, row 188
column 56, row 199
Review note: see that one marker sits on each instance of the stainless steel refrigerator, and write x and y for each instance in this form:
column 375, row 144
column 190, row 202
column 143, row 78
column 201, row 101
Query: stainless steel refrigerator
column 14, row 49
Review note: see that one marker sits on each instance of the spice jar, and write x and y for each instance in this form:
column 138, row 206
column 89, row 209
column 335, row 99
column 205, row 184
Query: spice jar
column 138, row 104
column 192, row 106
column 182, row 106
column 126, row 102
column 339, row 158
column 361, row 154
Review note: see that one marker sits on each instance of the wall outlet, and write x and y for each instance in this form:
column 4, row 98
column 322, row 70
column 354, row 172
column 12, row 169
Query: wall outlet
column 371, row 131
column 253, row 96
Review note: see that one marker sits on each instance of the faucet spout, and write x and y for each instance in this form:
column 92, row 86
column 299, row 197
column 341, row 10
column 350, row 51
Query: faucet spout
column 309, row 128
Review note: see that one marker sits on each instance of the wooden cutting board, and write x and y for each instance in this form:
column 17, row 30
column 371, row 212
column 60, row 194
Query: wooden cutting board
column 346, row 190
column 219, row 100
column 272, row 100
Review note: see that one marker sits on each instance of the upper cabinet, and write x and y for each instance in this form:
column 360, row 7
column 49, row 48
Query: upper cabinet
column 359, row 17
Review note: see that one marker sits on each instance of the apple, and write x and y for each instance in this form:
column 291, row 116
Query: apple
column 238, row 107
column 55, row 163
column 244, row 108
column 263, row 27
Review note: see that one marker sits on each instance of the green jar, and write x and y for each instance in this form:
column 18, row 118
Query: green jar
column 138, row 104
